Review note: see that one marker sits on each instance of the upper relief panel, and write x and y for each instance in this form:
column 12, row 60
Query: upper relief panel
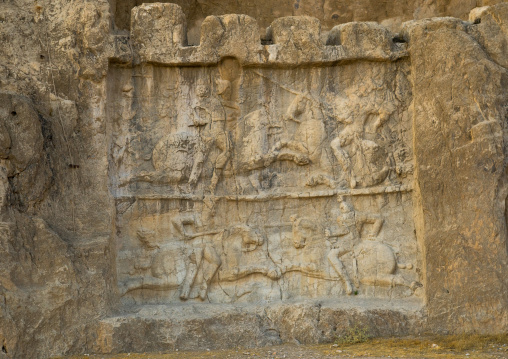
column 234, row 131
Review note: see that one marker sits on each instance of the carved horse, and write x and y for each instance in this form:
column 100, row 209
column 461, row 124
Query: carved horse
column 374, row 263
column 228, row 255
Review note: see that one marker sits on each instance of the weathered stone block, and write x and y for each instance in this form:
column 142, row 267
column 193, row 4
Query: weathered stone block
column 230, row 36
column 249, row 326
column 296, row 39
column 157, row 31
column 490, row 28
column 362, row 38
column 461, row 177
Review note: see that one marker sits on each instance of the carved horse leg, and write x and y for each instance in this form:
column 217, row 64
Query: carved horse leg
column 333, row 258
column 210, row 264
column 190, row 274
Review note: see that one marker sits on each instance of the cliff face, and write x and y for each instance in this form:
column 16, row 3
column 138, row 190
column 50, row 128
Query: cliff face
column 156, row 158
column 56, row 267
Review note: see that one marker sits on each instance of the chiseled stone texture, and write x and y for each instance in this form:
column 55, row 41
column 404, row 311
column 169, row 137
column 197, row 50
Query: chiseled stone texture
column 210, row 174
column 218, row 327
column 460, row 152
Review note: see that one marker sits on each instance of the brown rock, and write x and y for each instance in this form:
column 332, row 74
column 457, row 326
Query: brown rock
column 205, row 174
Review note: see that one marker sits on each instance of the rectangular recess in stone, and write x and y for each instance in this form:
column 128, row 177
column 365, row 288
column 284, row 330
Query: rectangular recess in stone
column 241, row 184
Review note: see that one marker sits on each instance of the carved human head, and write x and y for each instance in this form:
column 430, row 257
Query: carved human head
column 223, row 87
column 301, row 104
column 202, row 90
column 230, row 69
column 251, row 238
column 384, row 113
column 127, row 90
column 344, row 206
column 303, row 229
column 147, row 238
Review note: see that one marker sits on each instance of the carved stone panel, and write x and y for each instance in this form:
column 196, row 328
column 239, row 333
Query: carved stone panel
column 245, row 184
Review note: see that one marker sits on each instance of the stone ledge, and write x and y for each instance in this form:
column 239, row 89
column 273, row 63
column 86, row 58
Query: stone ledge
column 403, row 188
column 211, row 326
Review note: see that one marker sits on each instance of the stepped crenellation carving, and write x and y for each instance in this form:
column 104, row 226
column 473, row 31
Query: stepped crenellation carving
column 158, row 35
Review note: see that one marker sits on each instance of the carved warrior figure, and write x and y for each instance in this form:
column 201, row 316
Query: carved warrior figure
column 121, row 146
column 350, row 223
column 305, row 145
column 308, row 237
column 302, row 148
column 215, row 117
column 228, row 86
column 227, row 255
column 364, row 161
column 210, row 119
column 233, row 253
column 374, row 262
column 182, row 155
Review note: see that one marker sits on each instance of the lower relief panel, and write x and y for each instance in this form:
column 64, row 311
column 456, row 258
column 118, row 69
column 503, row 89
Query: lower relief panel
column 172, row 250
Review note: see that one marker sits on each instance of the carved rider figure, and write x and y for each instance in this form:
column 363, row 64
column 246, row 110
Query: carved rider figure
column 209, row 117
column 305, row 145
column 350, row 224
column 365, row 162
column 374, row 262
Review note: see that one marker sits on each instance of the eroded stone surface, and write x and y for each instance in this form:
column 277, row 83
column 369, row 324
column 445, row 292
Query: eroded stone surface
column 222, row 187
column 329, row 12
column 157, row 191
column 469, row 121
column 226, row 326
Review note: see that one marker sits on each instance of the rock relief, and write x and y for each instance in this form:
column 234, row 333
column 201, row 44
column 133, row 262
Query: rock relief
column 241, row 184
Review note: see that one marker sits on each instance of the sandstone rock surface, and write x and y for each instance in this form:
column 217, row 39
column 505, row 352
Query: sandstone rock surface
column 173, row 175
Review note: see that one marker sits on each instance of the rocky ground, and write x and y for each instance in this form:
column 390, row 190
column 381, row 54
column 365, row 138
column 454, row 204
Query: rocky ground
column 430, row 347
